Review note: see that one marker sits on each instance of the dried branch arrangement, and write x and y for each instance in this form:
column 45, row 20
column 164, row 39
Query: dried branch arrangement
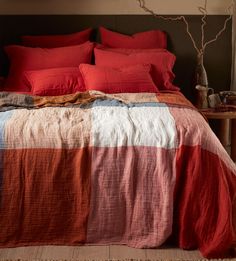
column 203, row 10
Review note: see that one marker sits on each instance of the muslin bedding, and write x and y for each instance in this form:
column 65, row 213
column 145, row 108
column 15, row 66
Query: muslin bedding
column 133, row 169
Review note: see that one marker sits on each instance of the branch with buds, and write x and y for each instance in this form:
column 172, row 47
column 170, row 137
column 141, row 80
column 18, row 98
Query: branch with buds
column 203, row 10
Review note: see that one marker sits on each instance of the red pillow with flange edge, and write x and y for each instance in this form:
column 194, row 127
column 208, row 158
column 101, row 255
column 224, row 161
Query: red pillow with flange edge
column 131, row 79
column 55, row 81
column 128, row 50
column 142, row 40
column 27, row 59
column 53, row 41
column 162, row 62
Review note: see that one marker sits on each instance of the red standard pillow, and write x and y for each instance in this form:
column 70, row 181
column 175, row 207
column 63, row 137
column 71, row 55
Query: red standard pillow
column 26, row 59
column 143, row 40
column 121, row 80
column 53, row 41
column 55, row 81
column 162, row 63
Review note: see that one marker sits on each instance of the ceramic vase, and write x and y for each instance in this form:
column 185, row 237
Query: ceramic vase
column 201, row 74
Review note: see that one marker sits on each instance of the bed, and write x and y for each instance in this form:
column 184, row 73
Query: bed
column 130, row 166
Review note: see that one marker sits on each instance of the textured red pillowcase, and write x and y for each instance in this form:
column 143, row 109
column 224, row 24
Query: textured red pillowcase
column 143, row 40
column 26, row 59
column 53, row 41
column 120, row 80
column 162, row 63
column 55, row 81
column 129, row 50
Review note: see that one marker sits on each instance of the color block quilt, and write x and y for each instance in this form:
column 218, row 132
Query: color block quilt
column 135, row 169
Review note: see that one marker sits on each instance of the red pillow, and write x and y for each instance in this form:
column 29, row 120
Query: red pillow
column 129, row 50
column 55, row 81
column 26, row 59
column 121, row 80
column 53, row 41
column 143, row 40
column 162, row 63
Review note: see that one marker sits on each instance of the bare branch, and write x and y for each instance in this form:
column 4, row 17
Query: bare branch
column 218, row 34
column 147, row 10
column 167, row 18
column 230, row 12
column 190, row 35
column 182, row 18
column 231, row 7
column 203, row 10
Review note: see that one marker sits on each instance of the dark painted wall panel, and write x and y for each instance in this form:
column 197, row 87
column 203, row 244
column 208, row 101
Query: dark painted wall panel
column 218, row 54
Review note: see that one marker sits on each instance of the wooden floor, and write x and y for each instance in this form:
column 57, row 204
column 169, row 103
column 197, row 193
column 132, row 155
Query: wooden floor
column 97, row 253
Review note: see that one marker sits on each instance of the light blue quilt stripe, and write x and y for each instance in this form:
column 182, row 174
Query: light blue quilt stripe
column 4, row 117
column 116, row 103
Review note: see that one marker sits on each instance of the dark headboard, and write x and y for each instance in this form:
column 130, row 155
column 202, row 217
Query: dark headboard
column 218, row 54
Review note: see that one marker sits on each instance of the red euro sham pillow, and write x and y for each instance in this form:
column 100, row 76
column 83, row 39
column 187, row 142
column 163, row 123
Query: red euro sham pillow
column 129, row 50
column 143, row 40
column 26, row 59
column 161, row 60
column 53, row 41
column 55, row 81
column 130, row 79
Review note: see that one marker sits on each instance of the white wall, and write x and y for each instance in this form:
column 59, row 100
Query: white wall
column 108, row 6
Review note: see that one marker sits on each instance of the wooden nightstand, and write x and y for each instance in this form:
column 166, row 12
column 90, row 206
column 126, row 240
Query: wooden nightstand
column 223, row 135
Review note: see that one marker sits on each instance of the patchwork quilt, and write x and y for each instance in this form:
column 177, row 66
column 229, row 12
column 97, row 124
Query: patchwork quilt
column 135, row 169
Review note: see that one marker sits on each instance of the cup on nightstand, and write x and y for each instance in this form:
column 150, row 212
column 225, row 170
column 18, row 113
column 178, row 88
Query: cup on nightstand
column 214, row 100
column 202, row 96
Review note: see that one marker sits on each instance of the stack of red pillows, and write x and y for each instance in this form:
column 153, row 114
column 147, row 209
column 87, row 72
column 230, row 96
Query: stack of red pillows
column 61, row 64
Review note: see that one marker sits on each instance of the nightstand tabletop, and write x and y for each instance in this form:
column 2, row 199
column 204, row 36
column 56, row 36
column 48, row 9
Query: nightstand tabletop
column 212, row 114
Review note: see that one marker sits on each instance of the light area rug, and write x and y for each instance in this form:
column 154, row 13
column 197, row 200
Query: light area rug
column 99, row 253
